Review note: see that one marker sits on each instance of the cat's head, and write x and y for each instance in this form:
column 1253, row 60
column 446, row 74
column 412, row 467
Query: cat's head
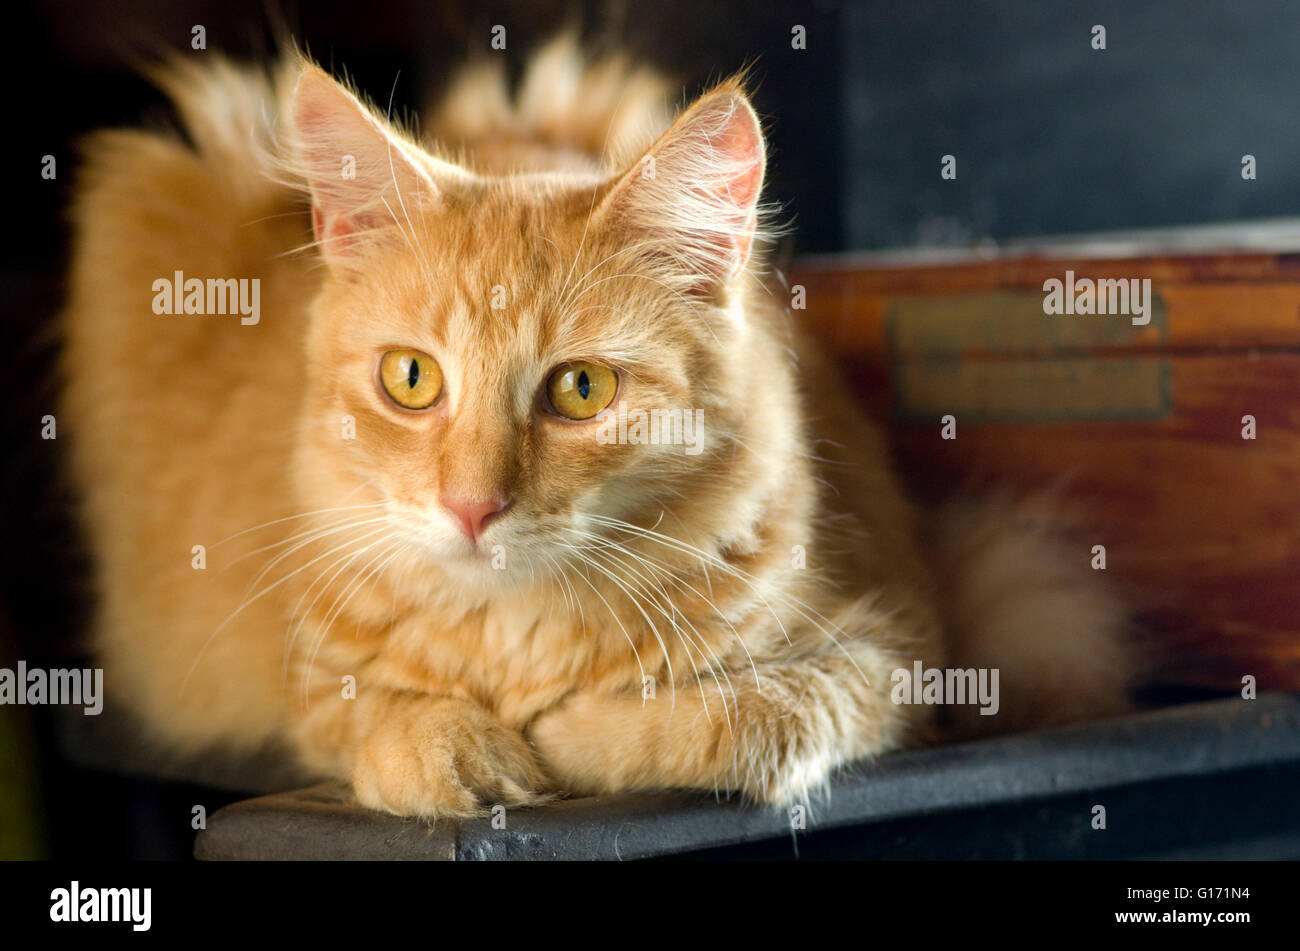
column 513, row 364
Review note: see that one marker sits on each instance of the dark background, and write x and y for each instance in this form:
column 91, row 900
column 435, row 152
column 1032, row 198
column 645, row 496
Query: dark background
column 1054, row 137
column 1051, row 137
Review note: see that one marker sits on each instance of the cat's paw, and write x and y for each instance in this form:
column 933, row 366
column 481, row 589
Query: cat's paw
column 445, row 759
column 606, row 743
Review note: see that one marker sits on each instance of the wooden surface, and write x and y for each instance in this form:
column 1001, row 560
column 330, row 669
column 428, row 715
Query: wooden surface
column 1201, row 526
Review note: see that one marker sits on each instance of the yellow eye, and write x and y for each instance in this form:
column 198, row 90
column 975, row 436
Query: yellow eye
column 580, row 390
column 413, row 379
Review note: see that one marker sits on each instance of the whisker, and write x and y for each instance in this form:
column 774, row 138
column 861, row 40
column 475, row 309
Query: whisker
column 290, row 518
column 342, row 561
column 676, row 629
column 364, row 575
column 800, row 608
column 653, row 629
column 246, row 603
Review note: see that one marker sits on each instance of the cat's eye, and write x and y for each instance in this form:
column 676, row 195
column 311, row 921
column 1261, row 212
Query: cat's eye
column 580, row 390
column 413, row 379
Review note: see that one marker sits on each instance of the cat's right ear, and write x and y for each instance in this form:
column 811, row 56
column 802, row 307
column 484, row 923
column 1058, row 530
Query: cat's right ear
column 692, row 199
column 365, row 177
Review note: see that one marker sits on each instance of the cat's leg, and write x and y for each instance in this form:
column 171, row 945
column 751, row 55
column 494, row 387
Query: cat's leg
column 775, row 732
column 416, row 754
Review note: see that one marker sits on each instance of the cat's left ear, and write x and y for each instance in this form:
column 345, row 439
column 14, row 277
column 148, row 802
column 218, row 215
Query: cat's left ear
column 692, row 199
column 365, row 178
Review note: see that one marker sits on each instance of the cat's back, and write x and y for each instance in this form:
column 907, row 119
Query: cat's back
column 181, row 330
column 568, row 114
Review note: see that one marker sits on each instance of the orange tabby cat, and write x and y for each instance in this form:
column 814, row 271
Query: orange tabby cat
column 492, row 470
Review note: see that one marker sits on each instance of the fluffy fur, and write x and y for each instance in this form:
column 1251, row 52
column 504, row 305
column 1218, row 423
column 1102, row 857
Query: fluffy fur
column 727, row 620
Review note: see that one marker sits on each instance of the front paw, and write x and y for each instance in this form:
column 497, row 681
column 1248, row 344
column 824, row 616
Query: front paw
column 591, row 744
column 445, row 759
column 767, row 749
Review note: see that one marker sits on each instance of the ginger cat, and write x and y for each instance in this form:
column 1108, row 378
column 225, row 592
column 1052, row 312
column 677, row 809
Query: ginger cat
column 394, row 508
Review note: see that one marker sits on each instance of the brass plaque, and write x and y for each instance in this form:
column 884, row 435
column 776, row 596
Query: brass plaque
column 1009, row 322
column 997, row 357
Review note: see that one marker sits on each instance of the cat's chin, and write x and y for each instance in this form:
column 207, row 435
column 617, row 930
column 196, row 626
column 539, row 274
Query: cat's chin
column 482, row 568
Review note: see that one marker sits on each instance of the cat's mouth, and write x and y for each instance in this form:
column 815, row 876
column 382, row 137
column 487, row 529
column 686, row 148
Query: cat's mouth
column 450, row 546
column 444, row 547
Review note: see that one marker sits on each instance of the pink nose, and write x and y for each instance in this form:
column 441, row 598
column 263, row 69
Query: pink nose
column 473, row 516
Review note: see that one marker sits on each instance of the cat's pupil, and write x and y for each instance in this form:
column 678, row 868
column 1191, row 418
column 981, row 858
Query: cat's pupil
column 413, row 374
column 584, row 384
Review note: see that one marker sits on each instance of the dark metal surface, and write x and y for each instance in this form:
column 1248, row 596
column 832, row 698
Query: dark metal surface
column 1200, row 780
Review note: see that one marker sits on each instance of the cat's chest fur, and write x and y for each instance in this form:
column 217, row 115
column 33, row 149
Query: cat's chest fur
column 515, row 654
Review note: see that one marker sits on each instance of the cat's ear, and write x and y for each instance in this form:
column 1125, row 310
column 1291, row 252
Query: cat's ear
column 363, row 175
column 692, row 199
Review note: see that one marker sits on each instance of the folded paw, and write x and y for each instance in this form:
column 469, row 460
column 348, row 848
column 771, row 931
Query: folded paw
column 445, row 758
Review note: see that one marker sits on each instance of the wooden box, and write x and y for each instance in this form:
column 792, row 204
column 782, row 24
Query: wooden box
column 1147, row 420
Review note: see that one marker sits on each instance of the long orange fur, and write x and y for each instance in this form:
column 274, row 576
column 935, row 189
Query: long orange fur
column 639, row 617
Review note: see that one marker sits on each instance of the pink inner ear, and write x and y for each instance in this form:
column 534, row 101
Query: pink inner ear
column 739, row 146
column 330, row 229
column 319, row 110
column 739, row 142
column 331, row 124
